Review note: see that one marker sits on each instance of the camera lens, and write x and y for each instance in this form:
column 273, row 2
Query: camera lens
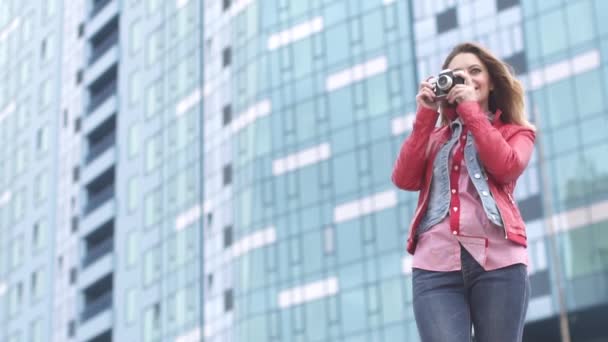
column 444, row 82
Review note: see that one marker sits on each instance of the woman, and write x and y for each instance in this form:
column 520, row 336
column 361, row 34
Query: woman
column 467, row 236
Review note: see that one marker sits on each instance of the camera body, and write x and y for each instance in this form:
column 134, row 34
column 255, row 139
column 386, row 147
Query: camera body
column 444, row 82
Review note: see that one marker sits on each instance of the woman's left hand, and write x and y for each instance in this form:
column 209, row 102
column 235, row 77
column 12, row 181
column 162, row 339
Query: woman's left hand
column 462, row 92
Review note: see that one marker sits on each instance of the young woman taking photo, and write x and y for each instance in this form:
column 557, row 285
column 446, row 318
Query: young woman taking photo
column 467, row 236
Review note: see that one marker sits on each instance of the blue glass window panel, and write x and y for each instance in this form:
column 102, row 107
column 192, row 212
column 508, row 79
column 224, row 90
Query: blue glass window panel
column 589, row 88
column 353, row 311
column 580, row 21
column 337, row 45
column 555, row 23
column 377, row 95
column 305, row 117
column 390, row 264
column 309, row 188
column 600, row 7
column 396, row 332
column 351, row 276
column 344, row 174
column 560, row 103
column 340, row 106
column 302, row 54
column 382, row 158
column 595, row 129
column 391, row 293
column 349, row 242
column 532, row 39
column 311, row 220
column 305, row 89
column 335, row 12
column 565, row 138
column 312, row 247
column 342, row 140
column 387, row 231
column 316, row 320
column 373, row 34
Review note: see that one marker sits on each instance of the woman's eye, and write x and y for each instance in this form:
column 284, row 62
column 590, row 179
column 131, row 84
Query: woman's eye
column 475, row 71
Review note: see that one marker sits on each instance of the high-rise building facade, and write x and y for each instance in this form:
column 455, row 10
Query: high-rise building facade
column 219, row 170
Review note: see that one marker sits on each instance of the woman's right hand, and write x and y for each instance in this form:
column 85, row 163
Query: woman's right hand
column 426, row 96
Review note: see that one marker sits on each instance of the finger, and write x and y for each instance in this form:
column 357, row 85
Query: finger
column 425, row 96
column 424, row 85
column 428, row 96
column 451, row 94
column 455, row 95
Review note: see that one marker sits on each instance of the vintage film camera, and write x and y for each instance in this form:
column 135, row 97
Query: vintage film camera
column 444, row 83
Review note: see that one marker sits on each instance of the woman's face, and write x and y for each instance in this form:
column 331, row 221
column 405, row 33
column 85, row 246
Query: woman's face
column 470, row 64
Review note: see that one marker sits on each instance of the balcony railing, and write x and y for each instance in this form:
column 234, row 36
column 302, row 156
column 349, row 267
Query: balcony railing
column 97, row 306
column 100, row 147
column 98, row 251
column 99, row 97
column 101, row 48
column 98, row 6
column 99, row 198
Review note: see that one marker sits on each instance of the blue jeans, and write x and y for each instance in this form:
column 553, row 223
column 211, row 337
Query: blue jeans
column 446, row 304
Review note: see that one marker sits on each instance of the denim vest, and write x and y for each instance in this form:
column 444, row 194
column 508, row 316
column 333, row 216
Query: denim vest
column 439, row 197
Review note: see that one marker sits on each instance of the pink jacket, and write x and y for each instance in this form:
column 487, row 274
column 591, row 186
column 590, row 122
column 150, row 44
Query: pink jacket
column 504, row 151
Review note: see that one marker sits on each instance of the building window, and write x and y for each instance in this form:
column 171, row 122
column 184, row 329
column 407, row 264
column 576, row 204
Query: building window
column 79, row 76
column 76, row 174
column 42, row 139
column 74, row 227
column 80, row 30
column 34, row 285
column 227, row 114
column 227, row 174
column 209, row 280
column 131, row 309
column 228, row 300
column 77, row 125
column 36, row 333
column 38, row 234
column 73, row 275
column 226, row 56
column 43, row 49
column 447, row 20
column 209, row 220
column 71, row 328
column 227, row 236
column 504, row 4
column 226, row 5
column 65, row 118
column 156, row 315
column 518, row 62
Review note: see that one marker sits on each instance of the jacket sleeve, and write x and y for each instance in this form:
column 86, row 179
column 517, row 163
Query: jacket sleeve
column 410, row 165
column 504, row 159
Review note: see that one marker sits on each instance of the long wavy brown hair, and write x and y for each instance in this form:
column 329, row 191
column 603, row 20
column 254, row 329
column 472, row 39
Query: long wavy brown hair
column 508, row 93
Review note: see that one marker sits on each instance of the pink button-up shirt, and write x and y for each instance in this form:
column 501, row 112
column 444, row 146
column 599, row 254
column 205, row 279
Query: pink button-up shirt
column 438, row 249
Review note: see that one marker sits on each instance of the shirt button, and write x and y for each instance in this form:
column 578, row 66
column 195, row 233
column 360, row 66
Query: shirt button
column 454, row 232
column 453, row 191
column 455, row 208
column 477, row 175
column 485, row 193
column 456, row 167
